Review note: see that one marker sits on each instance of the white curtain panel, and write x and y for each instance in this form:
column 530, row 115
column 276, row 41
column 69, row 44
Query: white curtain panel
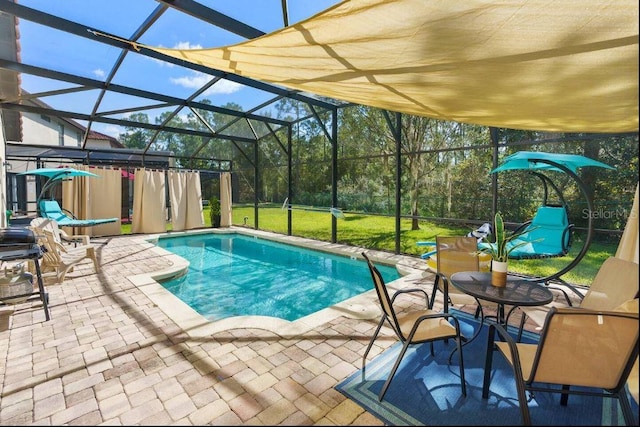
column 149, row 203
column 76, row 199
column 105, row 200
column 186, row 200
column 226, row 217
column 94, row 198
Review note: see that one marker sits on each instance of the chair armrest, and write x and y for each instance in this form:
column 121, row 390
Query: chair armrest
column 515, row 363
column 443, row 315
column 505, row 336
column 83, row 238
column 567, row 231
column 522, row 226
column 58, row 246
column 428, row 254
column 435, row 315
column 411, row 290
column 68, row 213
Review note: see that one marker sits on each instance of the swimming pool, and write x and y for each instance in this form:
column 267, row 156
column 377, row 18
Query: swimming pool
column 236, row 275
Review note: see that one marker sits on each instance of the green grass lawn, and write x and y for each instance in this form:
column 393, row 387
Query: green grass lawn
column 378, row 232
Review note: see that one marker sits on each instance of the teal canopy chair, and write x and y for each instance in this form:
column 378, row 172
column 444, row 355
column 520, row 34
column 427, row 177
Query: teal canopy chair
column 50, row 209
column 547, row 235
column 550, row 232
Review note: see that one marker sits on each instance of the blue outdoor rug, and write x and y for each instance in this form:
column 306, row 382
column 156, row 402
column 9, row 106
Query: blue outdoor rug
column 426, row 389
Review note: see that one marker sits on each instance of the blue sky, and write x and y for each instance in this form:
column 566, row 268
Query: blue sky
column 56, row 50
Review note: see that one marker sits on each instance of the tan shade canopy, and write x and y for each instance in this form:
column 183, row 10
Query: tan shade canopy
column 629, row 246
column 568, row 65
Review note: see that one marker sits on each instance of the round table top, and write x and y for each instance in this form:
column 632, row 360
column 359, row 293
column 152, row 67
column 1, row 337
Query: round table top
column 518, row 291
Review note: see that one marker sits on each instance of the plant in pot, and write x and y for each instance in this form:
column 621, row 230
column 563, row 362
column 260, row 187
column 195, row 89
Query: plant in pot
column 214, row 212
column 500, row 249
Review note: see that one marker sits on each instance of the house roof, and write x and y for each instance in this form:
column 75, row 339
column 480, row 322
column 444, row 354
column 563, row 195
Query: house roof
column 28, row 99
column 9, row 81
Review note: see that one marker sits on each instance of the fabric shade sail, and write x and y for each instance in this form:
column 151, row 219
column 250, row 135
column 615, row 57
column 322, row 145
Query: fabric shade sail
column 567, row 66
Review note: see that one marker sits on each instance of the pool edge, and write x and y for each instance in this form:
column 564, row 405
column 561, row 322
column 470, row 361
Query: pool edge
column 362, row 306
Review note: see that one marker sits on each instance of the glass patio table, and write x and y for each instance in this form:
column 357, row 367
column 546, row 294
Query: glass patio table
column 518, row 292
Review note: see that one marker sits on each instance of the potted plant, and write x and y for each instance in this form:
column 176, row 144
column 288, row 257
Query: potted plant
column 214, row 212
column 500, row 249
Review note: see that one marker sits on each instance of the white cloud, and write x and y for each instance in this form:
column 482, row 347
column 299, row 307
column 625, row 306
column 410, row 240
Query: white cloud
column 111, row 130
column 99, row 73
column 186, row 45
column 179, row 45
column 197, row 80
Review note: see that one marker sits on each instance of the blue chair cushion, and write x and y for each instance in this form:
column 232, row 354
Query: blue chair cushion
column 51, row 209
column 548, row 235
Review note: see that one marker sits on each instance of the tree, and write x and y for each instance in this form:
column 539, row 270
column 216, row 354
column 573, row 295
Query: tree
column 135, row 136
column 421, row 138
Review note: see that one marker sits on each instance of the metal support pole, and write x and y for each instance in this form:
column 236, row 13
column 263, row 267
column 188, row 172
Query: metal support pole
column 256, row 185
column 334, row 173
column 290, row 178
column 398, row 137
column 493, row 133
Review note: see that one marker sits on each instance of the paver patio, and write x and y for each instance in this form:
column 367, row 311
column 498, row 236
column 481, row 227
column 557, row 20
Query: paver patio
column 116, row 352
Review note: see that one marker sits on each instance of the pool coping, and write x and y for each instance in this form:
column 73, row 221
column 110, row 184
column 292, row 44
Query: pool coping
column 362, row 306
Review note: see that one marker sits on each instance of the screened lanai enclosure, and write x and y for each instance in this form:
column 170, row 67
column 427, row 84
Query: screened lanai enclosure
column 336, row 113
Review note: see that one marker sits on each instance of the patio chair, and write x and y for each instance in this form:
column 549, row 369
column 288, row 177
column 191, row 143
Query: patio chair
column 616, row 282
column 51, row 209
column 81, row 242
column 59, row 260
column 412, row 327
column 633, row 382
column 455, row 254
column 59, row 233
column 589, row 349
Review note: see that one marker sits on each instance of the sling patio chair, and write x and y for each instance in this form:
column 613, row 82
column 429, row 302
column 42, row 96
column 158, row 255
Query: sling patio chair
column 456, row 254
column 412, row 327
column 616, row 282
column 633, row 382
column 590, row 350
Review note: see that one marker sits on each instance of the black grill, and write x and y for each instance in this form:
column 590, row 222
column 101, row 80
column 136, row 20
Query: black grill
column 17, row 243
column 21, row 243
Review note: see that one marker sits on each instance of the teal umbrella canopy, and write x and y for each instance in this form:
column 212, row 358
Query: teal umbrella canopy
column 535, row 160
column 57, row 173
column 56, row 176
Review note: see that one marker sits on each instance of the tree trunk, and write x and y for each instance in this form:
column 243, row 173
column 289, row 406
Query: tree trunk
column 589, row 175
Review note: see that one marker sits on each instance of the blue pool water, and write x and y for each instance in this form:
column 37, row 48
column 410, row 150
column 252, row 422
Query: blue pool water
column 235, row 275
